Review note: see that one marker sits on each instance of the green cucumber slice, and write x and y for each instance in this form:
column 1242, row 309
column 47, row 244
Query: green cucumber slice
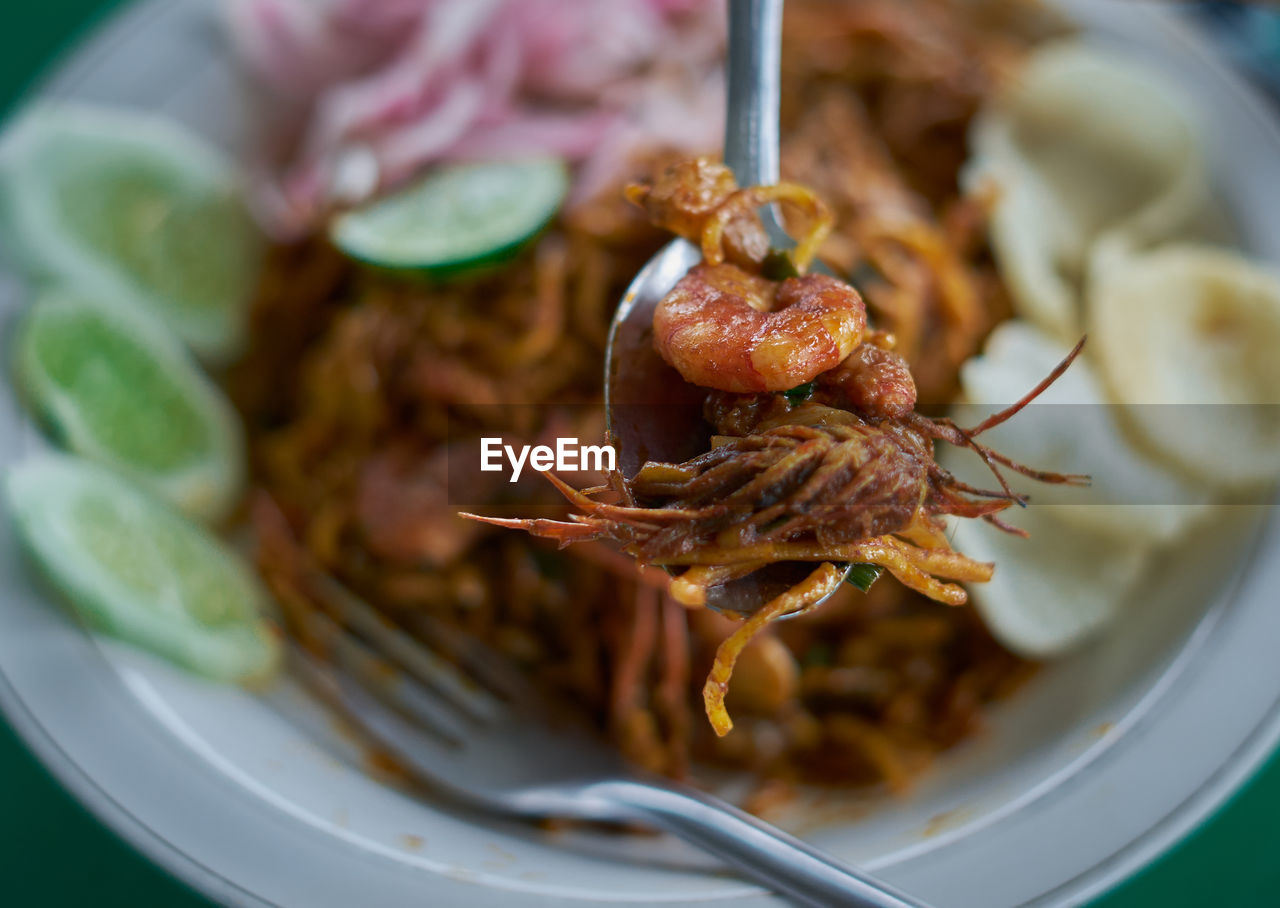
column 457, row 217
column 132, row 567
column 130, row 207
column 113, row 387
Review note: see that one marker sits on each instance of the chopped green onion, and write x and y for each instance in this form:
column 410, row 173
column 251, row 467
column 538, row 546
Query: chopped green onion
column 777, row 266
column 863, row 575
column 799, row 394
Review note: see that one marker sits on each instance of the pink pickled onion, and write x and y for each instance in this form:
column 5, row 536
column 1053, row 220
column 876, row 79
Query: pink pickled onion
column 391, row 86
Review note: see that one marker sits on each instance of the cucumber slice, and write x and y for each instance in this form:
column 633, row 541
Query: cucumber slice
column 132, row 208
column 115, row 388
column 134, row 568
column 456, row 218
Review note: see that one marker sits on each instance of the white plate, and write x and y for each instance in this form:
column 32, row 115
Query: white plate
column 1100, row 765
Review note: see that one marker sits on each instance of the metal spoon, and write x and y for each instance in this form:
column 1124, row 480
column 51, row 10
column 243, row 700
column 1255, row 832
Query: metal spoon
column 652, row 412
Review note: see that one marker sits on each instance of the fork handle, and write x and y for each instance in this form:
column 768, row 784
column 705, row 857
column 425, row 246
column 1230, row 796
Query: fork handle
column 767, row 855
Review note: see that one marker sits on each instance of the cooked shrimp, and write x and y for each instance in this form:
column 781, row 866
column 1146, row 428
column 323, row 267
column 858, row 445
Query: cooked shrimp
column 873, row 381
column 724, row 328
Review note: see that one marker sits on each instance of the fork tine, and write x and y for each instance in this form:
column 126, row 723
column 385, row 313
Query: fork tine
column 397, row 688
column 398, row 647
column 478, row 659
column 419, row 751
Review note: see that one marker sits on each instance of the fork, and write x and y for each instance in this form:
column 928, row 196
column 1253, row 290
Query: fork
column 468, row 727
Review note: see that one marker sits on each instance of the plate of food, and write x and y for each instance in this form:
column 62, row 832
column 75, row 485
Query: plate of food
column 292, row 289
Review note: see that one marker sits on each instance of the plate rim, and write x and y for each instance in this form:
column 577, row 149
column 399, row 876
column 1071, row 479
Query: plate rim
column 1156, row 840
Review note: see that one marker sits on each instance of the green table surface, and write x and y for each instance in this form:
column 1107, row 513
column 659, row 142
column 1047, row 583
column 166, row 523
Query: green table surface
column 53, row 853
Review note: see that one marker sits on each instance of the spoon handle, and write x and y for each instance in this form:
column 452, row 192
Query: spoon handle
column 754, row 77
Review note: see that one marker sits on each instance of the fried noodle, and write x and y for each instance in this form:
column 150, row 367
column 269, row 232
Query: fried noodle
column 358, row 386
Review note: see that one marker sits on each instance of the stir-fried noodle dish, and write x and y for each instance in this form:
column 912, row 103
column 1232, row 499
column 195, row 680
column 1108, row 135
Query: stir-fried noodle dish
column 361, row 385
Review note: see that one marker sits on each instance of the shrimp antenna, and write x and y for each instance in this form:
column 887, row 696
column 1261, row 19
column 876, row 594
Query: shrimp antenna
column 944, row 429
column 996, row 419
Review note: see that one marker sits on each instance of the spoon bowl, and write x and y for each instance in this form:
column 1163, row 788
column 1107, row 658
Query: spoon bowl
column 652, row 413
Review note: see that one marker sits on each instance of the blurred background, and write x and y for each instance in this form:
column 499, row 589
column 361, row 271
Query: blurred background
column 54, row 853
column 1250, row 35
